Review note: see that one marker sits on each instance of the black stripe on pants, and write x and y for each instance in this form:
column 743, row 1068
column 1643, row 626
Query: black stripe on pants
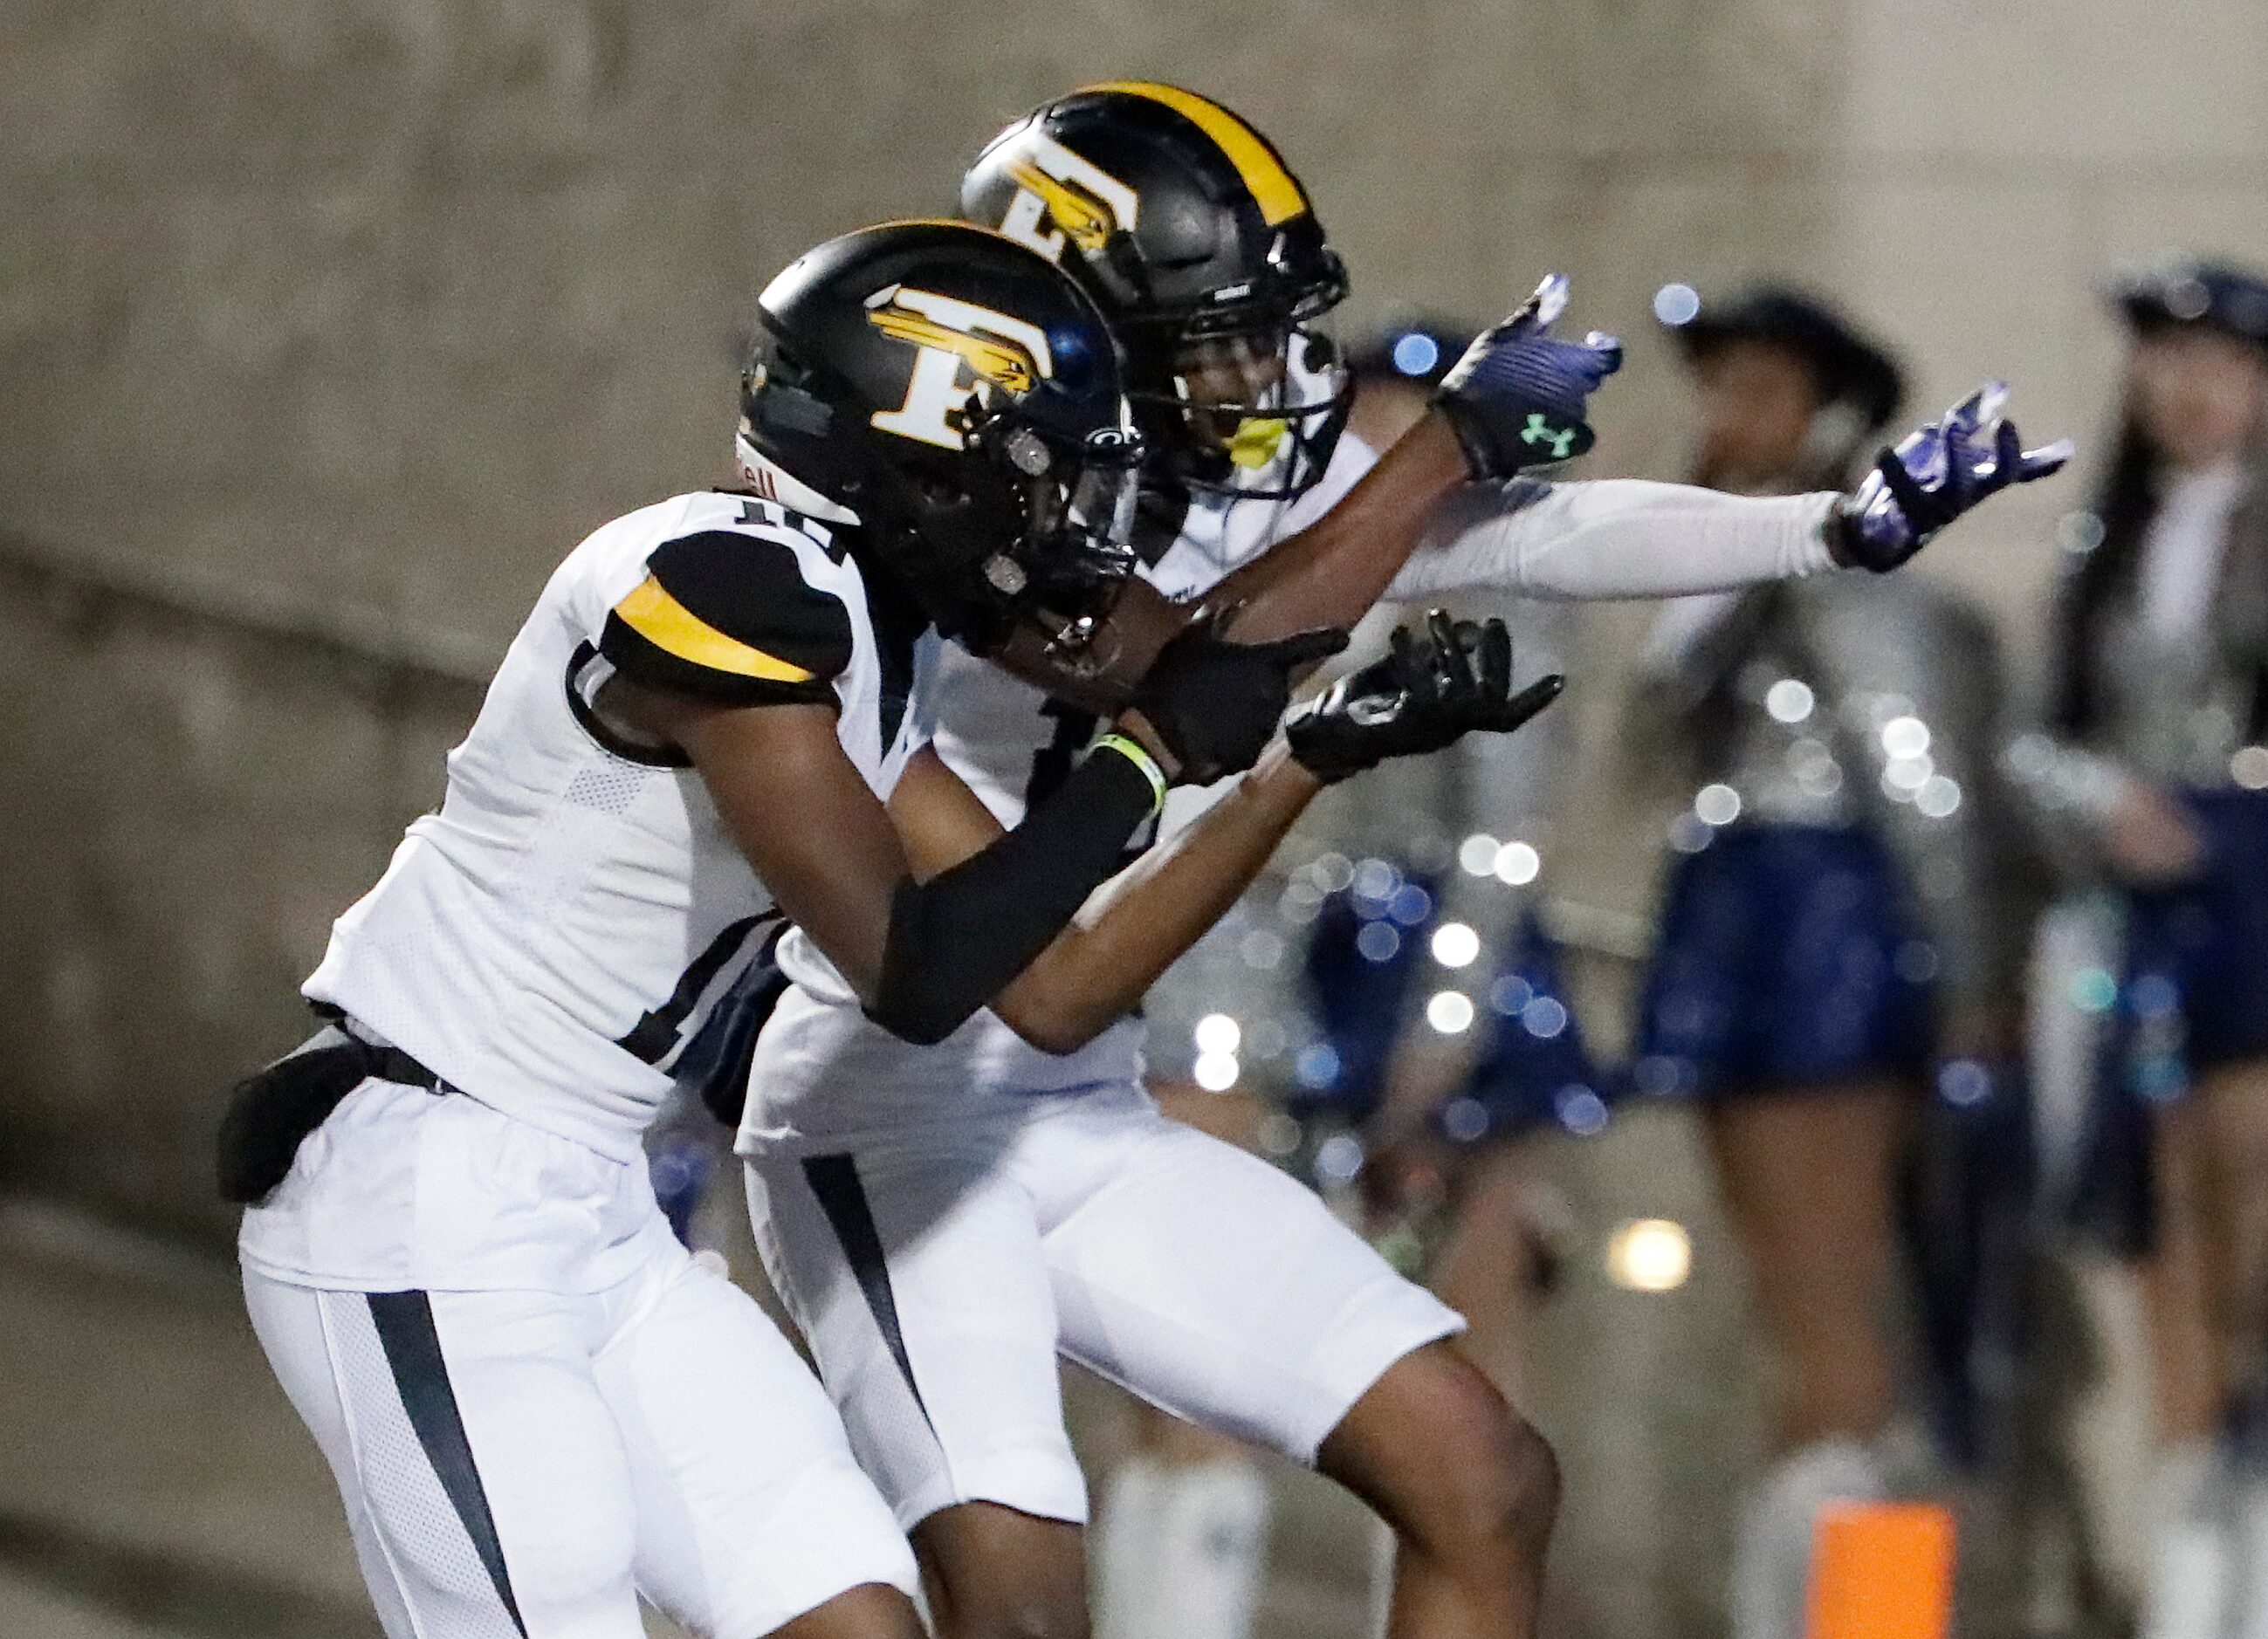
column 413, row 1350
column 834, row 1180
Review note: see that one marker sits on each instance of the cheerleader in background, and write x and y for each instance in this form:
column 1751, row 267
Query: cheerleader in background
column 1836, row 935
column 2153, row 780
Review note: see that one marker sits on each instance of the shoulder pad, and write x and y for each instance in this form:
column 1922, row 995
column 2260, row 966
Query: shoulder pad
column 730, row 616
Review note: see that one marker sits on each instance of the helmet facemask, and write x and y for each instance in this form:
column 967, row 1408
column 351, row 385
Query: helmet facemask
column 1066, row 565
column 1065, row 560
column 1246, row 402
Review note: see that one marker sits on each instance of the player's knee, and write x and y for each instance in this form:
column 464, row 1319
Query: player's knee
column 566, row 1564
column 572, row 1575
column 1499, row 1498
column 1013, row 1615
column 995, row 1572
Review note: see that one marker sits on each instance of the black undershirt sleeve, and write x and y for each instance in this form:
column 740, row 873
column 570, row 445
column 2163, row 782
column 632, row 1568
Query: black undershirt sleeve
column 957, row 940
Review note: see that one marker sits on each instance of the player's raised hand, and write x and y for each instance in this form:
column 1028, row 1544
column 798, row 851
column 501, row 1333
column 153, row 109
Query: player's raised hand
column 1518, row 396
column 1210, row 706
column 1433, row 687
column 1935, row 474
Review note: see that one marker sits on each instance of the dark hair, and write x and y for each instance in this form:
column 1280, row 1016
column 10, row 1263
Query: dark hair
column 2106, row 565
column 2103, row 570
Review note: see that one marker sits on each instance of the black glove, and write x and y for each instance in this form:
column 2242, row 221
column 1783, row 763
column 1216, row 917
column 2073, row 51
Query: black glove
column 1214, row 703
column 1517, row 397
column 1426, row 693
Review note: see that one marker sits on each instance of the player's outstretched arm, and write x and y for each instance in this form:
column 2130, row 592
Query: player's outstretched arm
column 1437, row 685
column 1936, row 474
column 1626, row 538
column 1519, row 398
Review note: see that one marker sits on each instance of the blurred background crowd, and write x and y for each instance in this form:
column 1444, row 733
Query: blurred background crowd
column 1826, row 1058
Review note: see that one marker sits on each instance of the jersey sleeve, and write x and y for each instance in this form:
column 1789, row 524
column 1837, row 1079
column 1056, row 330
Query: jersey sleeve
column 1614, row 538
column 731, row 617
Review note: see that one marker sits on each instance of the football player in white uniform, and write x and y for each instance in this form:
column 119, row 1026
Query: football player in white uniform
column 943, row 1221
column 537, row 1407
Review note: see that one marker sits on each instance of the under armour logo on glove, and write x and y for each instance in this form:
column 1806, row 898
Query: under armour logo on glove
column 1517, row 398
column 1538, row 430
column 1938, row 472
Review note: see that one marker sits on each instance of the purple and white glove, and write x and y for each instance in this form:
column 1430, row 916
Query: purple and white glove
column 1517, row 397
column 1937, row 473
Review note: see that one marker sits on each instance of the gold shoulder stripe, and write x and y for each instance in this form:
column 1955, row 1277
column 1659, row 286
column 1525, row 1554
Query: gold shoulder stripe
column 668, row 625
column 1279, row 196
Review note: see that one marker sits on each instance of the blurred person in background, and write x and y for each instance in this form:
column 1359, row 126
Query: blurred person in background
column 1835, row 936
column 2154, row 780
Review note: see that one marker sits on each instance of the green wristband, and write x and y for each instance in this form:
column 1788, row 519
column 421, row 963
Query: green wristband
column 1131, row 750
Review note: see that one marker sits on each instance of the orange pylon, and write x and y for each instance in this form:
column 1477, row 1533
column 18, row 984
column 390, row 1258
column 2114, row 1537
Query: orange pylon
column 1881, row 1570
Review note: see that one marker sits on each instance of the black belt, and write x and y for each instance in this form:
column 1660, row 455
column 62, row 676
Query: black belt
column 382, row 1060
column 386, row 1062
column 270, row 1113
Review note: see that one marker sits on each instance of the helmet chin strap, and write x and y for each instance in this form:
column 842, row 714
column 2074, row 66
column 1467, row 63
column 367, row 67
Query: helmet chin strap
column 774, row 482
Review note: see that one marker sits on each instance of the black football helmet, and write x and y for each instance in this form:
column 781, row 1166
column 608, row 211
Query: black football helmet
column 1203, row 250
column 961, row 396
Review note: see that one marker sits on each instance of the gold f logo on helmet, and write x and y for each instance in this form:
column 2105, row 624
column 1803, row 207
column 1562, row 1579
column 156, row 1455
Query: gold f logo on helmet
column 1084, row 220
column 1004, row 364
column 1063, row 197
column 955, row 340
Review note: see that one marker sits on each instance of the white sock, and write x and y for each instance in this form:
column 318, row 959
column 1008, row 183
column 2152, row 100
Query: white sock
column 1123, row 1546
column 1771, row 1552
column 1181, row 1549
column 2193, row 1572
column 1385, row 1553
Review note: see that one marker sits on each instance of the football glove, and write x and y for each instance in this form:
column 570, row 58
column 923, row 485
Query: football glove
column 1214, row 705
column 1937, row 472
column 1429, row 691
column 1517, row 397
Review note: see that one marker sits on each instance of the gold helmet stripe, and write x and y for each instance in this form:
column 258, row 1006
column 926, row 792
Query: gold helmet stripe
column 668, row 625
column 1279, row 196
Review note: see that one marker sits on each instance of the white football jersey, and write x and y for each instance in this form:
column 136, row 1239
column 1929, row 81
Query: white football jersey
column 550, row 939
column 823, row 1069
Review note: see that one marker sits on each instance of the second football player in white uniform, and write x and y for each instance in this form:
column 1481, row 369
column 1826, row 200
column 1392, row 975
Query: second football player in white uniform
column 943, row 1221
